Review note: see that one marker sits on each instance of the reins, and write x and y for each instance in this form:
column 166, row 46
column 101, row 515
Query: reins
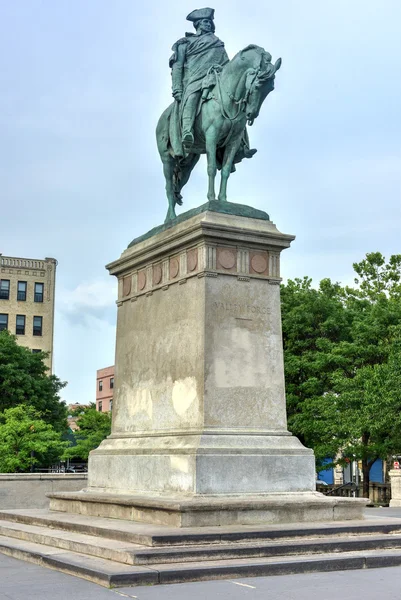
column 241, row 103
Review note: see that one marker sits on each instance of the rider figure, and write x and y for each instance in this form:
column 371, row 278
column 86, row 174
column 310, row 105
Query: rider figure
column 192, row 57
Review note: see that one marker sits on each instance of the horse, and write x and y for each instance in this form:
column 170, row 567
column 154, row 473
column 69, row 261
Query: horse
column 239, row 90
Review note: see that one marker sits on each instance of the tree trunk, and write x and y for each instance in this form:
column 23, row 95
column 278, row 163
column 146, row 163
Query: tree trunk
column 365, row 473
column 366, row 464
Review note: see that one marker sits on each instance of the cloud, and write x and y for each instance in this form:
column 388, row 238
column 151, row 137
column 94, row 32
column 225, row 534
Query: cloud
column 94, row 294
column 85, row 335
column 92, row 299
column 78, row 354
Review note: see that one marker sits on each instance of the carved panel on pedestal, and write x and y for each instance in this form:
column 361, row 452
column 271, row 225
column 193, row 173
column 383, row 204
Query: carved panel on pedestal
column 157, row 274
column 259, row 263
column 127, row 285
column 174, row 267
column 227, row 259
column 141, row 280
column 192, row 260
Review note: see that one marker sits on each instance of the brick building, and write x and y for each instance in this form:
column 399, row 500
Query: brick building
column 104, row 389
column 72, row 420
column 27, row 292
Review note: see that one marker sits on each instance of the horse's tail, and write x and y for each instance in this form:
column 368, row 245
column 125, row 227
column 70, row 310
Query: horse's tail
column 167, row 136
column 163, row 131
column 168, row 132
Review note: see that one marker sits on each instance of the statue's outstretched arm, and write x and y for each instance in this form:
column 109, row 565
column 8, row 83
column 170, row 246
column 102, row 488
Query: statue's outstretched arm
column 177, row 70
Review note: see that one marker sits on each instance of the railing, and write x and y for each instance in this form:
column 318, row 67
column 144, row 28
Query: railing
column 22, row 263
column 379, row 493
column 345, row 490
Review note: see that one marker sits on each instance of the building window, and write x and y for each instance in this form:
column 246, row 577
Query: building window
column 100, row 406
column 3, row 322
column 36, row 351
column 4, row 289
column 21, row 291
column 111, row 382
column 100, row 385
column 37, row 325
column 20, row 325
column 38, row 297
column 111, row 404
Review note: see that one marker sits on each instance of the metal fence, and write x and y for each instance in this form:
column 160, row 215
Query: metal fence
column 379, row 493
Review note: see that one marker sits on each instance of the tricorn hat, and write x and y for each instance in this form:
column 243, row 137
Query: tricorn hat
column 201, row 13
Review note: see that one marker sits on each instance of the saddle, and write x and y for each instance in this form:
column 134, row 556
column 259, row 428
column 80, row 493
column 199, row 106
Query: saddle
column 208, row 84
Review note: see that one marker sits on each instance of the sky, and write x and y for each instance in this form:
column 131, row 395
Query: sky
column 82, row 85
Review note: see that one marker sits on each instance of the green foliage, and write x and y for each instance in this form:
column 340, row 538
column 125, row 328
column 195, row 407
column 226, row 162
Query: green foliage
column 94, row 427
column 24, row 380
column 314, row 323
column 342, row 362
column 25, row 439
column 376, row 278
column 363, row 412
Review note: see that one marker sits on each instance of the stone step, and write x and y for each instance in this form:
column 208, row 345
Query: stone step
column 162, row 536
column 113, row 529
column 104, row 572
column 113, row 550
column 135, row 554
column 111, row 574
column 252, row 550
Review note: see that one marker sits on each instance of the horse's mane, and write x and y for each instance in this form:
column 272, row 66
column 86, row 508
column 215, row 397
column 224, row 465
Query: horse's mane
column 264, row 66
column 258, row 49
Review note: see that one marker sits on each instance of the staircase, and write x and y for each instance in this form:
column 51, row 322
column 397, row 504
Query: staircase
column 113, row 552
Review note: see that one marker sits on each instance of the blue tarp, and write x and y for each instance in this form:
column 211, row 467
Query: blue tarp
column 327, row 475
column 376, row 471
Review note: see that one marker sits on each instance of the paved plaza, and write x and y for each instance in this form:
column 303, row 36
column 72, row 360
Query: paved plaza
column 20, row 580
column 25, row 581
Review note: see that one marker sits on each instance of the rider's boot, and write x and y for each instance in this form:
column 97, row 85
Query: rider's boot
column 187, row 127
column 188, row 119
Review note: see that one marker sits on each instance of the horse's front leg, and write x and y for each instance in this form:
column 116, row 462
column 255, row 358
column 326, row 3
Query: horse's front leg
column 211, row 145
column 229, row 155
column 168, row 170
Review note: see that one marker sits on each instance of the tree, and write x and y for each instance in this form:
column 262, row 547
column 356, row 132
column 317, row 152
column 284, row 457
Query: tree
column 24, row 380
column 314, row 323
column 342, row 357
column 25, row 439
column 94, row 427
column 362, row 418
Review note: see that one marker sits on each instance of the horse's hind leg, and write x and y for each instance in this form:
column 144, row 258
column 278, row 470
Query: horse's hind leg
column 228, row 159
column 168, row 170
column 186, row 170
column 211, row 144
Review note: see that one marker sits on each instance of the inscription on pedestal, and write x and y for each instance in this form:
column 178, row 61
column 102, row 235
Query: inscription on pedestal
column 239, row 310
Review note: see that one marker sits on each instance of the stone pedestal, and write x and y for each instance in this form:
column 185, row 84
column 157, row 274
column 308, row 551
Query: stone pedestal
column 199, row 413
column 395, row 482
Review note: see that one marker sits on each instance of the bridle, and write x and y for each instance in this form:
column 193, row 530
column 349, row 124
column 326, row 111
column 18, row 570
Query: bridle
column 241, row 103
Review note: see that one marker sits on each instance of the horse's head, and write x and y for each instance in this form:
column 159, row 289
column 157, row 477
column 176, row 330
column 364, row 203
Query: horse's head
column 259, row 83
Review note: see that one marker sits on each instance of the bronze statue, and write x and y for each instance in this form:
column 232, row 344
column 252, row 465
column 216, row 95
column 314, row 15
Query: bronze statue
column 214, row 99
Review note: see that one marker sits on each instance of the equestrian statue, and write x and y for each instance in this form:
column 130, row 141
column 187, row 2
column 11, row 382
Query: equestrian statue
column 214, row 100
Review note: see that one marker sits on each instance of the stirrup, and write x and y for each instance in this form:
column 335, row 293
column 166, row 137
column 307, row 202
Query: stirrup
column 188, row 138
